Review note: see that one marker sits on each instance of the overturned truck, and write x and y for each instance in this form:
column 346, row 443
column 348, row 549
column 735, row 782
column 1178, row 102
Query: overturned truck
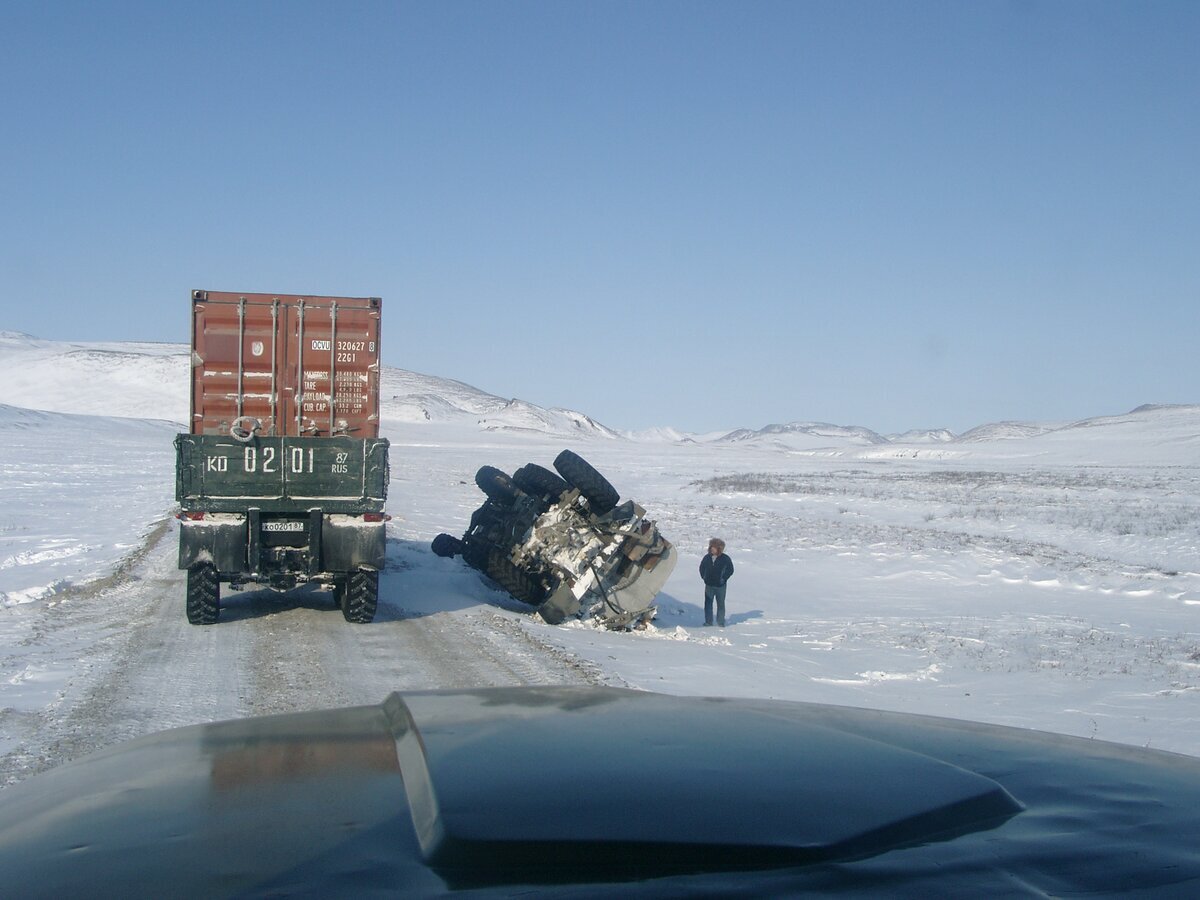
column 565, row 543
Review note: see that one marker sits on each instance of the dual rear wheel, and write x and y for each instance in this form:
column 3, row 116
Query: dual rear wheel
column 357, row 596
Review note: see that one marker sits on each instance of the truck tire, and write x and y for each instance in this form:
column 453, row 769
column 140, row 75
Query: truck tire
column 447, row 545
column 360, row 596
column 476, row 553
column 497, row 485
column 487, row 515
column 517, row 582
column 539, row 481
column 579, row 473
column 203, row 594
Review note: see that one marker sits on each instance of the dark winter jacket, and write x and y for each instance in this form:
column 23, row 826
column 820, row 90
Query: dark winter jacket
column 716, row 570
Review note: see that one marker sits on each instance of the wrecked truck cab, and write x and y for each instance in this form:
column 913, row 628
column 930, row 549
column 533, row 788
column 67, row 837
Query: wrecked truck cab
column 565, row 544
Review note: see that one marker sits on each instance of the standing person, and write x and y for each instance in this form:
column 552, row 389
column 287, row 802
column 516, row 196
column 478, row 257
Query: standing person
column 716, row 569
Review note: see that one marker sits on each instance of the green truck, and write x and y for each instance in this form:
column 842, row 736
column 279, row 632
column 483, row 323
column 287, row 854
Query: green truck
column 282, row 477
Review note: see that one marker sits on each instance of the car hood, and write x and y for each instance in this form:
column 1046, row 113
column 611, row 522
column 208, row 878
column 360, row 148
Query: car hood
column 549, row 789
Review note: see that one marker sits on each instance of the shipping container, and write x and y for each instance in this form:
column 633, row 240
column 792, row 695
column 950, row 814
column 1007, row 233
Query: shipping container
column 285, row 365
column 283, row 477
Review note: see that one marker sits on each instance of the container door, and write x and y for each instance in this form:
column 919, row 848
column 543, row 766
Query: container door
column 334, row 348
column 235, row 365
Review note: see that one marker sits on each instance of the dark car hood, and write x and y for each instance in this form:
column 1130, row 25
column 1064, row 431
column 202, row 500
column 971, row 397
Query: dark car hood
column 555, row 790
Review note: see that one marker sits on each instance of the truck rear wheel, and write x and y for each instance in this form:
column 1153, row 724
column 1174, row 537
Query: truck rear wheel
column 476, row 553
column 496, row 484
column 579, row 473
column 360, row 596
column 203, row 594
column 539, row 482
column 516, row 581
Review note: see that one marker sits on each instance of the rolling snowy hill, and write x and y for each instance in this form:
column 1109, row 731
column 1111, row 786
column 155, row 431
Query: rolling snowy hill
column 151, row 381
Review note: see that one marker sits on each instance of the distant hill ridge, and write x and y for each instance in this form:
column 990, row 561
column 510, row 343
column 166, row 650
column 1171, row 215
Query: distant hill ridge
column 149, row 380
column 808, row 435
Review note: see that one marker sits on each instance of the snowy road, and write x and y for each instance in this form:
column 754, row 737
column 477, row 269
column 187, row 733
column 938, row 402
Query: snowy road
column 136, row 666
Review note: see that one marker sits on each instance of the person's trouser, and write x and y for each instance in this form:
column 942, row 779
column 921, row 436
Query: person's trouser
column 714, row 592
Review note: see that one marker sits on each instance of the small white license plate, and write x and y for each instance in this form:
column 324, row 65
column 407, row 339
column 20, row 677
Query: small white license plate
column 282, row 526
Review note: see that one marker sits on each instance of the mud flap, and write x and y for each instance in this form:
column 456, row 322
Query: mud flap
column 221, row 543
column 348, row 543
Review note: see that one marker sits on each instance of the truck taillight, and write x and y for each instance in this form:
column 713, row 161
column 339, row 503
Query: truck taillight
column 194, row 516
column 376, row 517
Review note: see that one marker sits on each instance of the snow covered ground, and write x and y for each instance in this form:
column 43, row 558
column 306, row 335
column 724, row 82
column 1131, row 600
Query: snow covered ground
column 1045, row 577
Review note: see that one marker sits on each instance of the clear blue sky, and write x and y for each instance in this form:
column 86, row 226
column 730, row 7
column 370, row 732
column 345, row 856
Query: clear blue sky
column 705, row 215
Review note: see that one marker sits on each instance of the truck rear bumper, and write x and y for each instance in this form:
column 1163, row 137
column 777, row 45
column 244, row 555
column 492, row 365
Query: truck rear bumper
column 241, row 549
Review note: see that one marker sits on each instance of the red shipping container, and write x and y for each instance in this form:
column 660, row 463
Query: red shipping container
column 285, row 365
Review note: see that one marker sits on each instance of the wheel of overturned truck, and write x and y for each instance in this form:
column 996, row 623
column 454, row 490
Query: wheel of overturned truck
column 447, row 545
column 519, row 583
column 539, row 481
column 360, row 596
column 476, row 551
column 578, row 472
column 496, row 484
column 203, row 594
